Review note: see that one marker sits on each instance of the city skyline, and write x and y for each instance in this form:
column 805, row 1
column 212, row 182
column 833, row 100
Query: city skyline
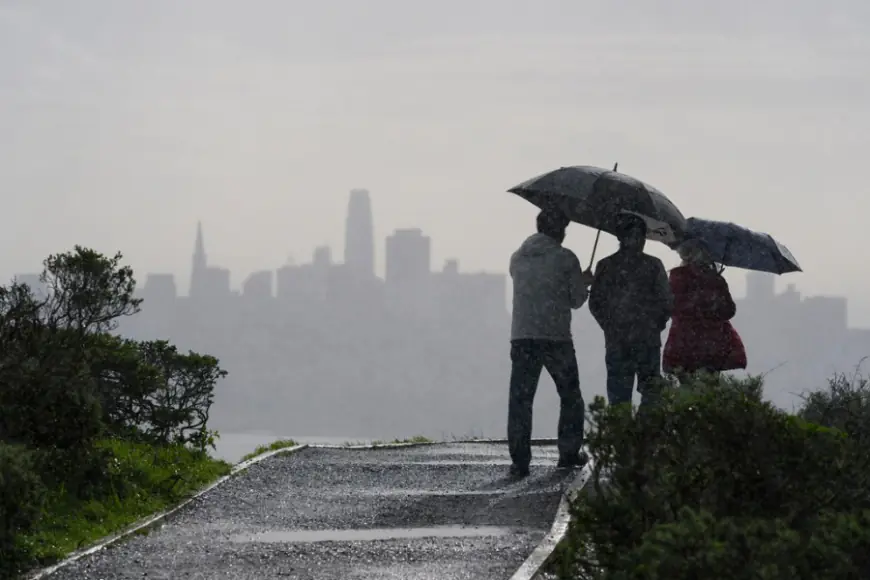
column 346, row 337
column 407, row 255
column 364, row 349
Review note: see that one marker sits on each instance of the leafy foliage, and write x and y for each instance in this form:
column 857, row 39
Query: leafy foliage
column 47, row 394
column 21, row 499
column 67, row 383
column 87, row 292
column 717, row 483
column 151, row 391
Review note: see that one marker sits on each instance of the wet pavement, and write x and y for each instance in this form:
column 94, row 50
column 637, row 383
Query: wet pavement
column 431, row 512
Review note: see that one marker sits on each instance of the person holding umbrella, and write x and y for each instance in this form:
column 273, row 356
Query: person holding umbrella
column 631, row 300
column 548, row 282
column 630, row 297
column 701, row 337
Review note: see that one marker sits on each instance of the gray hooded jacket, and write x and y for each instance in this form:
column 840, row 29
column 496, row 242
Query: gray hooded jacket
column 548, row 284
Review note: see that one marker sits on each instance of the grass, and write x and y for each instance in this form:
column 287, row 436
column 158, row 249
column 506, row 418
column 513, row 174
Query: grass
column 141, row 480
column 418, row 439
column 273, row 446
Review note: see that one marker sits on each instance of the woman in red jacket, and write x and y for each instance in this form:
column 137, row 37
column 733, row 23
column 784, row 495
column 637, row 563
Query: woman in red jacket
column 701, row 337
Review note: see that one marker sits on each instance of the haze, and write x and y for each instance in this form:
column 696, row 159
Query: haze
column 126, row 122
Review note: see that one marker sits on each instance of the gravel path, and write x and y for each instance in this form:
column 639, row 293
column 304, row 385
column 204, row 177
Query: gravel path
column 323, row 514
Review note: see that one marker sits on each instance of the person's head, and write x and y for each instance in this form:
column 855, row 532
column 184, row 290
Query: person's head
column 553, row 223
column 631, row 231
column 693, row 251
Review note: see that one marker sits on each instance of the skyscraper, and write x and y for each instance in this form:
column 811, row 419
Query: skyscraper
column 359, row 236
column 200, row 263
column 408, row 257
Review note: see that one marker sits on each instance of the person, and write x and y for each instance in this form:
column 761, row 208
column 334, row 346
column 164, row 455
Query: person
column 631, row 301
column 548, row 282
column 701, row 337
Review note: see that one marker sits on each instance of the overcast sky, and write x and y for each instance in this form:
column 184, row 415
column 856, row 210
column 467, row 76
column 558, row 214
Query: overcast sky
column 123, row 123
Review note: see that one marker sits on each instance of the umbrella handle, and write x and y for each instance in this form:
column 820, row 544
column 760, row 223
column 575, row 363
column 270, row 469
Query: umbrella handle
column 595, row 247
column 598, row 234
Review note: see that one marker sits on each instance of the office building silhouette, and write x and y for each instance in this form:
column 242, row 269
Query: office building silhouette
column 359, row 239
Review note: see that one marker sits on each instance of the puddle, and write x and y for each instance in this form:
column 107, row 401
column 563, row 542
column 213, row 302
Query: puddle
column 308, row 536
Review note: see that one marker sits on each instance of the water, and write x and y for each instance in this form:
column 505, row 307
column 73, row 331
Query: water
column 309, row 536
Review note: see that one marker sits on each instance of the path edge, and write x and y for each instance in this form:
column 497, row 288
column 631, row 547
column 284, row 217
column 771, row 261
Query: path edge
column 153, row 519
column 374, row 446
column 542, row 555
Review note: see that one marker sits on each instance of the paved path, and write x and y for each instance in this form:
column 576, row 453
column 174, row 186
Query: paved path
column 340, row 514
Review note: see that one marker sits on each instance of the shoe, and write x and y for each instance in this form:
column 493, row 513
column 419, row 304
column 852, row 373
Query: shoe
column 572, row 461
column 518, row 471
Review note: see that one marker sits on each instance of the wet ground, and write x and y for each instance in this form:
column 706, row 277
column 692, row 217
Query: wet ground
column 433, row 512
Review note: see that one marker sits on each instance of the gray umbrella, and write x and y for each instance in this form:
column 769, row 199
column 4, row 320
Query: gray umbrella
column 732, row 245
column 595, row 197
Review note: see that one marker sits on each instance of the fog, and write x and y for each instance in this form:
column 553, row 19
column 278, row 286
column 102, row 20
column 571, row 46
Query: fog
column 127, row 124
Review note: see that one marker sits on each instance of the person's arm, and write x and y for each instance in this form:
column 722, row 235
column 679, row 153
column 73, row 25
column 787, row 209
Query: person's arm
column 725, row 308
column 577, row 287
column 598, row 295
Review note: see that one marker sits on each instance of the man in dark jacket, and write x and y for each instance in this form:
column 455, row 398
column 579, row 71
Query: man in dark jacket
column 632, row 302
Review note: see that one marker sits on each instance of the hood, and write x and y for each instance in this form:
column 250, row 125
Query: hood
column 537, row 245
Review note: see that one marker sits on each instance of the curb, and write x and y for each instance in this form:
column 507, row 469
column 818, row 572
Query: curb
column 543, row 552
column 156, row 518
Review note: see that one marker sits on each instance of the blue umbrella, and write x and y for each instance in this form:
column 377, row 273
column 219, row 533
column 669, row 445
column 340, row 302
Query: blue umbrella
column 732, row 245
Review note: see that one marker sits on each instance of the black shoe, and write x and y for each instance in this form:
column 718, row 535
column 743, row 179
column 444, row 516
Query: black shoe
column 572, row 461
column 518, row 471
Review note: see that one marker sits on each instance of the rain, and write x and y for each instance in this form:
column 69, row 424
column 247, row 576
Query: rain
column 475, row 291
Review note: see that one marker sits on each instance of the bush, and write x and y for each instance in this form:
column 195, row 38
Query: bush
column 844, row 405
column 47, row 393
column 711, row 464
column 21, row 499
column 151, row 392
column 66, row 383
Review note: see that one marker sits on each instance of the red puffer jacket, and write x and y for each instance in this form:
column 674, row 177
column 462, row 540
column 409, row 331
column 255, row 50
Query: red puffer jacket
column 701, row 336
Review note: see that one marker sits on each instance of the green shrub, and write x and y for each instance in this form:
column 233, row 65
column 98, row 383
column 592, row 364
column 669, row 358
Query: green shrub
column 66, row 383
column 714, row 459
column 21, row 500
column 152, row 392
column 47, row 393
column 845, row 405
column 698, row 545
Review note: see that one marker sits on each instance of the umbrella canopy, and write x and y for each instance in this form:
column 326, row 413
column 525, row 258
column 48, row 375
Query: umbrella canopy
column 732, row 245
column 595, row 197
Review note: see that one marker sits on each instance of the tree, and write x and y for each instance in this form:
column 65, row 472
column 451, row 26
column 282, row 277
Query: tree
column 87, row 292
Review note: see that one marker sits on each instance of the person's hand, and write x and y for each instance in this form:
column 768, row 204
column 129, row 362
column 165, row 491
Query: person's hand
column 587, row 277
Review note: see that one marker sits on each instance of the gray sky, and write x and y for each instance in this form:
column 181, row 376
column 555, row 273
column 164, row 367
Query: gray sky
column 124, row 123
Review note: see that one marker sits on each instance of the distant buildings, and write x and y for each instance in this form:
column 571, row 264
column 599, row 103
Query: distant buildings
column 409, row 288
column 359, row 239
column 329, row 347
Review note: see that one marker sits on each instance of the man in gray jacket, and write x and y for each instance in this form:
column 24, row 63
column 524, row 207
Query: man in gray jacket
column 548, row 282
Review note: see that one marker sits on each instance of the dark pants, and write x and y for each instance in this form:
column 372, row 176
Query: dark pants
column 528, row 358
column 628, row 360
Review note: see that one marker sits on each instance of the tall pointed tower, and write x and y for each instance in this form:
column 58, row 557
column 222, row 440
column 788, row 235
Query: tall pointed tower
column 200, row 263
column 359, row 236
